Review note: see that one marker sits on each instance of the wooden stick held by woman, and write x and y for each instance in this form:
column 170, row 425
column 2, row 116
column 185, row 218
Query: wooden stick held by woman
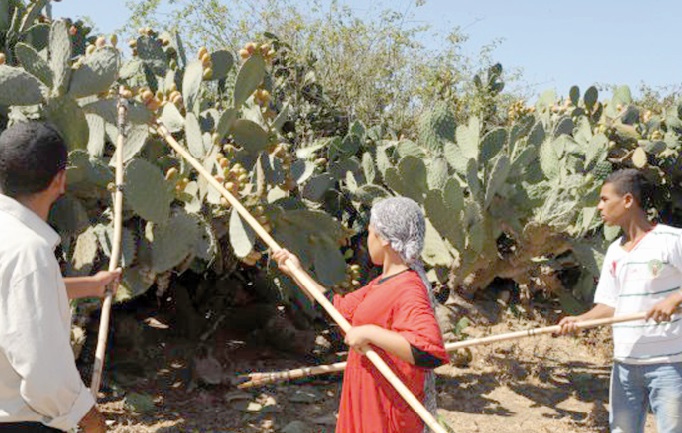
column 307, row 284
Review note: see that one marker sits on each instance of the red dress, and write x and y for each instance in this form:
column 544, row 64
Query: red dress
column 369, row 403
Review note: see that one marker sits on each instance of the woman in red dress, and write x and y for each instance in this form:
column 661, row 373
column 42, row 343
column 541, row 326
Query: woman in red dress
column 394, row 314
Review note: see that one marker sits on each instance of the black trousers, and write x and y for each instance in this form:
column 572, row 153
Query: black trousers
column 26, row 427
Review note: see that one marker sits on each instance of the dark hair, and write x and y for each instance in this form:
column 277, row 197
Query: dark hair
column 631, row 181
column 31, row 155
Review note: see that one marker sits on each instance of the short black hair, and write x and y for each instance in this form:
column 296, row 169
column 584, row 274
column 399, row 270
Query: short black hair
column 631, row 181
column 31, row 155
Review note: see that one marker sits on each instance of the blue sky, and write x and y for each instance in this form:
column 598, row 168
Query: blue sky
column 555, row 43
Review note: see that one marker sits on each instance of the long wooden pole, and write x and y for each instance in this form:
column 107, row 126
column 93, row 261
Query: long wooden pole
column 258, row 379
column 103, row 334
column 307, row 283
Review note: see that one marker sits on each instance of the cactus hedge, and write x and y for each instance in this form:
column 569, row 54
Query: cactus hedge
column 513, row 199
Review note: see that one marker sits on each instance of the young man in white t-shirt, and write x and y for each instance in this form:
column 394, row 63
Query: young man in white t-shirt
column 642, row 271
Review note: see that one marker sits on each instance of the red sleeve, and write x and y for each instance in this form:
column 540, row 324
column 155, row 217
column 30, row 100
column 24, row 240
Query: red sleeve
column 347, row 304
column 413, row 318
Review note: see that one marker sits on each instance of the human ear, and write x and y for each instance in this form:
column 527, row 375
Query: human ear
column 59, row 182
column 628, row 200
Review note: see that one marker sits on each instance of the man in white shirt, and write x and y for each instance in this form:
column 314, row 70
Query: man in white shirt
column 642, row 271
column 40, row 387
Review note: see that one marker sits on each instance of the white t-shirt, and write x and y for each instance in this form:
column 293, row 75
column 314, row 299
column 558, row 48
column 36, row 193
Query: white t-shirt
column 38, row 376
column 633, row 282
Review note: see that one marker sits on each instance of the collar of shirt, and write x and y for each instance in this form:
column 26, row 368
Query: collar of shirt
column 29, row 218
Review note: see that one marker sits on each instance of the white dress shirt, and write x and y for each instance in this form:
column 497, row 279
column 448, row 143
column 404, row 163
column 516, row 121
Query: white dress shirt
column 39, row 381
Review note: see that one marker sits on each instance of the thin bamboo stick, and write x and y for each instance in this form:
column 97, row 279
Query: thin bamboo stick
column 307, row 283
column 258, row 379
column 103, row 334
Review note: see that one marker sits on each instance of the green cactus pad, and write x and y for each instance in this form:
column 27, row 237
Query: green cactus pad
column 18, row 87
column 146, row 191
column 69, row 118
column 250, row 76
column 105, row 236
column 368, row 194
column 435, row 127
column 223, row 62
column 249, row 135
column 85, row 251
column 195, row 141
column 468, row 138
column 33, row 63
column 493, row 142
column 60, row 56
column 191, row 85
column 496, row 179
column 96, row 74
column 68, row 216
column 408, row 178
column 242, row 236
column 174, row 241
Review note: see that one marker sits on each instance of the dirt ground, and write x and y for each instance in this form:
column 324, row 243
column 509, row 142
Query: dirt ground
column 540, row 384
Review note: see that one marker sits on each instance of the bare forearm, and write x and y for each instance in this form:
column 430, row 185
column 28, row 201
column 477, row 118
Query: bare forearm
column 80, row 287
column 393, row 343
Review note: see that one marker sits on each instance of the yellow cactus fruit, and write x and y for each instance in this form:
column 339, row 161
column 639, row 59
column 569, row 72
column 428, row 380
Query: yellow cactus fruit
column 146, row 95
column 127, row 93
column 153, row 104
column 244, row 54
column 202, row 51
column 206, row 60
column 243, row 178
column 100, row 42
column 208, row 73
column 224, row 162
column 90, row 49
column 176, row 98
column 114, row 40
column 229, row 186
column 132, row 43
column 264, row 49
